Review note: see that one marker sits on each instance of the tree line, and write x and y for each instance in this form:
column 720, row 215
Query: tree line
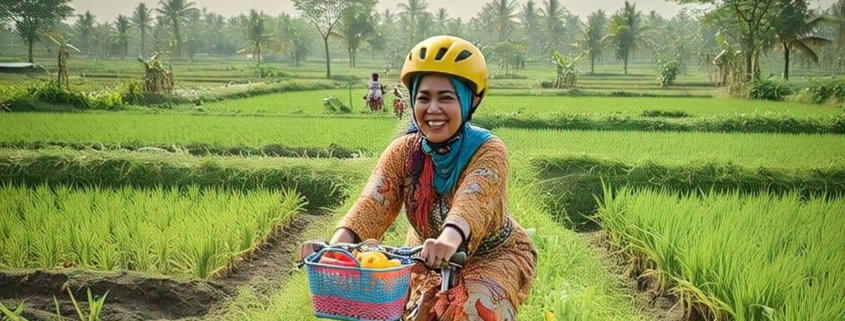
column 509, row 33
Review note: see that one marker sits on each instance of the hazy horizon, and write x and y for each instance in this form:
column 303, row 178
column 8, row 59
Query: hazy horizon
column 107, row 10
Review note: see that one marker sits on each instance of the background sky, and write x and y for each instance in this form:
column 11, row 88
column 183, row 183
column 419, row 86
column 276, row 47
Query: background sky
column 107, row 10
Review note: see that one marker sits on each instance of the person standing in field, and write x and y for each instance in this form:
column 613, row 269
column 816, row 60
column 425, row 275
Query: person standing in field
column 451, row 177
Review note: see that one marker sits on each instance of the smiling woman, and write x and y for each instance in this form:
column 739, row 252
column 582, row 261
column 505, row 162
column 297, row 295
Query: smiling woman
column 452, row 179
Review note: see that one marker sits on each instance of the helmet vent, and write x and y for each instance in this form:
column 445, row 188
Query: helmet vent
column 440, row 54
column 409, row 57
column 463, row 55
column 422, row 53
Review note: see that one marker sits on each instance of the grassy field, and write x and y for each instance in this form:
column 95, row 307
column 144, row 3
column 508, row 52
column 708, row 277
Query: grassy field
column 743, row 258
column 177, row 231
column 372, row 135
column 311, row 103
column 174, row 228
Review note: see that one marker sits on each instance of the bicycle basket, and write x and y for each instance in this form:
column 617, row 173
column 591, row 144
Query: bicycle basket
column 355, row 293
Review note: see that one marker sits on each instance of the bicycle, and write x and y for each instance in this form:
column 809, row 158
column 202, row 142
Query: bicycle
column 355, row 293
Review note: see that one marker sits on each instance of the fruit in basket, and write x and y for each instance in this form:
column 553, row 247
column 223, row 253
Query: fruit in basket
column 337, row 258
column 376, row 260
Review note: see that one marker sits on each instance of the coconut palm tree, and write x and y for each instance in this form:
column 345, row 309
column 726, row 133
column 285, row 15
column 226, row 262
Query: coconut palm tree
column 414, row 12
column 627, row 32
column 797, row 35
column 529, row 17
column 553, row 14
column 177, row 13
column 590, row 37
column 122, row 27
column 142, row 19
column 503, row 13
column 85, row 30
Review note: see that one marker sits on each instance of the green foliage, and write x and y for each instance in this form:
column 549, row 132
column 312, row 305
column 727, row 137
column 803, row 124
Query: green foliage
column 320, row 181
column 678, row 121
column 665, row 113
column 12, row 315
column 823, row 91
column 769, row 90
column 770, row 256
column 335, row 106
column 668, row 71
column 572, row 184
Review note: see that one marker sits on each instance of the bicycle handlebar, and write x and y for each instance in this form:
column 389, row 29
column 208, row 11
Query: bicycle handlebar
column 457, row 260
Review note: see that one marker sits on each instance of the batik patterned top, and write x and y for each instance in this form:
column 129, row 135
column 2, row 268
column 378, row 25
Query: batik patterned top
column 501, row 260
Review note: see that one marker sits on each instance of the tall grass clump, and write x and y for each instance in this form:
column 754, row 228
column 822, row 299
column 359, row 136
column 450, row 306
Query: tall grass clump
column 734, row 256
column 185, row 231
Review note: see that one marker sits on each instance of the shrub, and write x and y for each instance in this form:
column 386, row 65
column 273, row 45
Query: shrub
column 321, row 181
column 666, row 113
column 668, row 71
column 768, row 90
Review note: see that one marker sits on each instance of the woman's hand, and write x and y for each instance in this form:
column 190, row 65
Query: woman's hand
column 435, row 252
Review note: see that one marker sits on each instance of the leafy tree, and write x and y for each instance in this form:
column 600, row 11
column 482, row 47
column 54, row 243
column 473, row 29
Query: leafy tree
column 503, row 13
column 257, row 33
column 122, row 27
column 553, row 14
column 441, row 21
column 84, row 26
column 32, row 18
column 177, row 13
column 195, row 38
column 751, row 23
column 414, row 12
column 590, row 37
column 142, row 19
column 325, row 15
column 796, row 33
column 529, row 18
column 355, row 28
column 508, row 54
column 626, row 32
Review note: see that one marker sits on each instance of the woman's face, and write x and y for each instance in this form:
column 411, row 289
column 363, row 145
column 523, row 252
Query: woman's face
column 437, row 109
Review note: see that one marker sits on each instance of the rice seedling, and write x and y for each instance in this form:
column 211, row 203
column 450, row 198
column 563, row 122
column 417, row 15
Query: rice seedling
column 735, row 256
column 158, row 231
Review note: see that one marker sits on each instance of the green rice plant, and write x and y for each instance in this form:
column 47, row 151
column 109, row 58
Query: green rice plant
column 187, row 232
column 95, row 306
column 12, row 315
column 735, row 256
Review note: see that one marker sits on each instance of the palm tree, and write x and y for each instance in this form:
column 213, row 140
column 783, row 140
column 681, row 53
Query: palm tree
column 85, row 29
column 503, row 13
column 356, row 27
column 122, row 27
column 177, row 13
column 441, row 19
column 838, row 13
column 414, row 11
column 529, row 17
column 142, row 18
column 590, row 36
column 626, row 32
column 798, row 35
column 553, row 14
column 256, row 33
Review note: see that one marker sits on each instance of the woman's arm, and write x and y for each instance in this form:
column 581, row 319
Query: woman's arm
column 379, row 204
column 480, row 204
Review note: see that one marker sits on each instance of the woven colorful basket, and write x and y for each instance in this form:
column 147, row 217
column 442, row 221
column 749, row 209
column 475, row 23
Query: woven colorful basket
column 355, row 293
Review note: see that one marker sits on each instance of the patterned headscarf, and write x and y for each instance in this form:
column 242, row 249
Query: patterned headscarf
column 451, row 157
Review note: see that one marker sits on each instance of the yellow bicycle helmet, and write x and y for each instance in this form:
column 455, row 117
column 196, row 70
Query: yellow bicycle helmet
column 448, row 55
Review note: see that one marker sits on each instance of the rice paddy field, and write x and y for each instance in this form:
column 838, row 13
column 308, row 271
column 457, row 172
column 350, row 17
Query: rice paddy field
column 202, row 206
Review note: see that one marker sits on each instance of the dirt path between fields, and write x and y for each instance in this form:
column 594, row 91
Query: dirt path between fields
column 659, row 306
column 137, row 296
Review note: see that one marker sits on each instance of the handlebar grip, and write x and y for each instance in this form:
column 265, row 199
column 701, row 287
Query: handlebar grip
column 459, row 258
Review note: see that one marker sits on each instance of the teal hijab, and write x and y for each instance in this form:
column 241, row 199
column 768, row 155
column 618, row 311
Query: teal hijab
column 451, row 157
